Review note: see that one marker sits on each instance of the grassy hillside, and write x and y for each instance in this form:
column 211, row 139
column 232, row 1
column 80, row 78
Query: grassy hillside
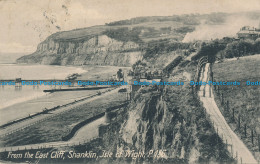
column 243, row 99
column 145, row 31
column 153, row 27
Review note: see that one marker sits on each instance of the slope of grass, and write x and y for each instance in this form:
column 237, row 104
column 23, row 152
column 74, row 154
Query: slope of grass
column 243, row 99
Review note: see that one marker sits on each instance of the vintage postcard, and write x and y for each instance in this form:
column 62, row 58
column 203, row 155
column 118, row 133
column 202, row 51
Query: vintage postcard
column 137, row 81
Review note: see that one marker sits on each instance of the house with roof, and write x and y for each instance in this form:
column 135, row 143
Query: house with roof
column 248, row 32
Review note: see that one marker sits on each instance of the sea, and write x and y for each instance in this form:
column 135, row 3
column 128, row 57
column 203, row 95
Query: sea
column 18, row 103
column 11, row 96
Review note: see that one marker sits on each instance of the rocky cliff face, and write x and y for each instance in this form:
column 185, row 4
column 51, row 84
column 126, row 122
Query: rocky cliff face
column 97, row 50
column 171, row 120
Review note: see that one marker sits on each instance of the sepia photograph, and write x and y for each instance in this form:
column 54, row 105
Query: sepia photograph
column 130, row 81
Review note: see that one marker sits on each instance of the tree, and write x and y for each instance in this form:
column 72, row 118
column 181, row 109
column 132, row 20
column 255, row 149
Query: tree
column 257, row 46
column 210, row 50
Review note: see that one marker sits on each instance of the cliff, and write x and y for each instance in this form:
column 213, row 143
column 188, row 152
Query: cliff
column 119, row 45
column 122, row 43
column 97, row 50
column 170, row 120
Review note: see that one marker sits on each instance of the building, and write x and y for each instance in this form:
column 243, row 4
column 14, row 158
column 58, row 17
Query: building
column 248, row 32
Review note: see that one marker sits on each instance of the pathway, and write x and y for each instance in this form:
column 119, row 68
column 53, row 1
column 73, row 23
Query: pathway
column 236, row 147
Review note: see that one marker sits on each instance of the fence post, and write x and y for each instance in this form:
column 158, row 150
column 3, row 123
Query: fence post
column 258, row 138
column 252, row 136
column 226, row 144
column 239, row 121
column 227, row 105
column 222, row 98
column 245, row 130
column 233, row 114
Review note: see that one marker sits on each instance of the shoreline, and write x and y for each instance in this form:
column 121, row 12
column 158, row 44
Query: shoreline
column 62, row 112
column 37, row 103
column 34, row 95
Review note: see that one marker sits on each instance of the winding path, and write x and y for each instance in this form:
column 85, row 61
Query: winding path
column 84, row 135
column 235, row 146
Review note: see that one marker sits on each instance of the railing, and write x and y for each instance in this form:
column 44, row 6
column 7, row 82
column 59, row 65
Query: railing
column 225, row 138
column 41, row 119
column 235, row 118
column 201, row 62
column 46, row 145
column 80, row 125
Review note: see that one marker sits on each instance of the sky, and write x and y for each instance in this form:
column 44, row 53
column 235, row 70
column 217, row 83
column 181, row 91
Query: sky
column 25, row 23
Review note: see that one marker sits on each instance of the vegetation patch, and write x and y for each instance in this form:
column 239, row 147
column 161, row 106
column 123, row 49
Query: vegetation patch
column 240, row 104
